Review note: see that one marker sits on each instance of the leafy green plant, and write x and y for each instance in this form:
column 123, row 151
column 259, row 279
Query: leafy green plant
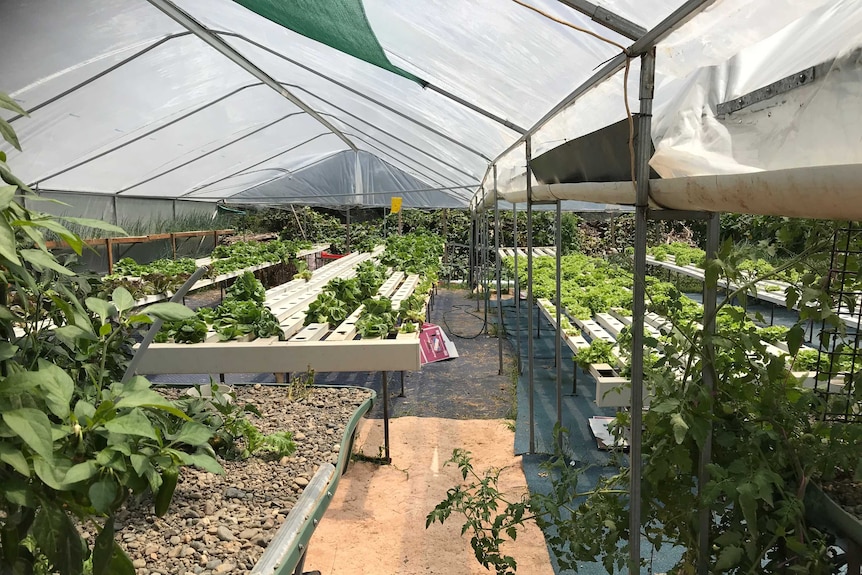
column 76, row 440
column 247, row 288
column 478, row 502
column 773, row 333
column 241, row 313
column 235, row 436
column 327, row 308
column 300, row 385
column 411, row 308
column 599, row 351
column 377, row 318
column 413, row 253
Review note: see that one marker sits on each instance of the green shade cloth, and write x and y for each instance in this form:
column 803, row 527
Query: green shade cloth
column 340, row 24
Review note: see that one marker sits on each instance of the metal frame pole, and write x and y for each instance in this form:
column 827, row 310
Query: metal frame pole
column 710, row 291
column 498, row 265
column 643, row 151
column 558, row 350
column 487, row 261
column 517, row 289
column 470, row 254
column 530, row 344
column 477, row 262
column 385, row 385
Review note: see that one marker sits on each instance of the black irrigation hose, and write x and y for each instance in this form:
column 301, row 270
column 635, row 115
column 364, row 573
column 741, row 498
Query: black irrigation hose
column 464, row 306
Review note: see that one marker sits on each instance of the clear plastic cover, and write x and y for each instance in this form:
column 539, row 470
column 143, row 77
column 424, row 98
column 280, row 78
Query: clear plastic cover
column 179, row 120
column 816, row 124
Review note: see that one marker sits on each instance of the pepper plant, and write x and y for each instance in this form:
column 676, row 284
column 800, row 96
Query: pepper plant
column 76, row 438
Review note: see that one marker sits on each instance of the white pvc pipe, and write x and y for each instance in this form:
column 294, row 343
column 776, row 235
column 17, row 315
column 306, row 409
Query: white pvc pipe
column 822, row 192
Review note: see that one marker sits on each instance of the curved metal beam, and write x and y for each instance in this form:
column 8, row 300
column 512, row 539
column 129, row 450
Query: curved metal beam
column 355, row 92
column 399, row 160
column 400, row 154
column 104, row 72
column 216, row 42
column 146, row 134
column 491, row 116
column 445, row 190
column 204, row 155
column 391, row 135
column 244, row 170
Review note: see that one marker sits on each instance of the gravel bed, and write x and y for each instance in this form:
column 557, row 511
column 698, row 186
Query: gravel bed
column 847, row 493
column 222, row 524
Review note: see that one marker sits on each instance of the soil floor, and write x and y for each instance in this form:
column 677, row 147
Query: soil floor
column 375, row 523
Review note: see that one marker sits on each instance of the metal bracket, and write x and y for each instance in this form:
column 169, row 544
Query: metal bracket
column 784, row 85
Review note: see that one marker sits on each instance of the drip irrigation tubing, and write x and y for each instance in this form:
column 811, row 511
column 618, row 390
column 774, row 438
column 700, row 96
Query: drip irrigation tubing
column 464, row 307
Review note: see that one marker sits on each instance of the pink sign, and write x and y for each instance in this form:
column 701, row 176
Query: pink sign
column 434, row 344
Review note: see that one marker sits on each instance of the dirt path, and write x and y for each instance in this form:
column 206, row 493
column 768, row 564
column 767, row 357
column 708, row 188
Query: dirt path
column 376, row 521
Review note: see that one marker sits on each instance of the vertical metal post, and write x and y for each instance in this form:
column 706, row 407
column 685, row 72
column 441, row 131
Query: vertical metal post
column 446, row 244
column 530, row 344
column 402, row 385
column 116, row 221
column 497, row 266
column 517, row 288
column 470, row 254
column 386, row 416
column 710, row 290
column 558, row 349
column 477, row 239
column 486, row 233
column 643, row 151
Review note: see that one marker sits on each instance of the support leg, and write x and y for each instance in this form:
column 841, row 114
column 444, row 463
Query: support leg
column 538, row 323
column 574, row 378
column 402, row 385
column 386, row 417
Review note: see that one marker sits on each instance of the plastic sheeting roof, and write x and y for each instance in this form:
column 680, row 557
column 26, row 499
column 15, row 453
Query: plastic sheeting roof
column 125, row 101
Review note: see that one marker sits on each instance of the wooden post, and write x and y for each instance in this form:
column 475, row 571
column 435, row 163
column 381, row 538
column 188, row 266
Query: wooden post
column 109, row 253
column 174, row 246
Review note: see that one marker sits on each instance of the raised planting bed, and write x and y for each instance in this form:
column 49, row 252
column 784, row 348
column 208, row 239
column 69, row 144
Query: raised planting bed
column 837, row 507
column 157, row 280
column 321, row 346
column 225, row 523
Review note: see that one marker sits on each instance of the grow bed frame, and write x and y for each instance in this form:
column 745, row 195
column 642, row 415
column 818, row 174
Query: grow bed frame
column 612, row 390
column 316, row 345
column 315, row 251
column 775, row 297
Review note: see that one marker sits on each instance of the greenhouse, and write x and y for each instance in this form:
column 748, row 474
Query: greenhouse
column 608, row 252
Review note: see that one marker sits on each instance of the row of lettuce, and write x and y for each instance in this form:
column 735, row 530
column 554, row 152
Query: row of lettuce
column 243, row 312
column 590, row 286
column 751, row 267
column 165, row 275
